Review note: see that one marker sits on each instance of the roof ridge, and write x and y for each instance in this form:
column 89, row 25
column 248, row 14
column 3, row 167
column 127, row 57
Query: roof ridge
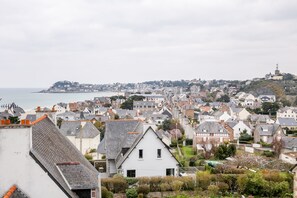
column 39, row 119
column 10, row 191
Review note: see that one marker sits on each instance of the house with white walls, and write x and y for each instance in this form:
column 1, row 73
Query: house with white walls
column 135, row 150
column 83, row 134
column 239, row 113
column 239, row 127
column 287, row 112
column 38, row 161
column 148, row 156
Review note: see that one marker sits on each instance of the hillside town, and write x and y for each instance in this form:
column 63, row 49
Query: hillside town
column 193, row 138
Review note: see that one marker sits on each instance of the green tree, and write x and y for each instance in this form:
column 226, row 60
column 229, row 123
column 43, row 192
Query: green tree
column 224, row 98
column 225, row 150
column 245, row 137
column 59, row 122
column 270, row 107
column 128, row 104
column 101, row 127
column 14, row 119
column 131, row 193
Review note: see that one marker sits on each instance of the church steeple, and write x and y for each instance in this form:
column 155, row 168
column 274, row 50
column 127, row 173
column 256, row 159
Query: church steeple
column 277, row 72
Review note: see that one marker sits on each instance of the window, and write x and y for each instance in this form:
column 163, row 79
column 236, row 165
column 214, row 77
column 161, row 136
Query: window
column 131, row 173
column 170, row 172
column 140, row 153
column 93, row 193
column 159, row 153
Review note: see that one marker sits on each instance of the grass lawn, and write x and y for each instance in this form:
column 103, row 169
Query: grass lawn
column 187, row 151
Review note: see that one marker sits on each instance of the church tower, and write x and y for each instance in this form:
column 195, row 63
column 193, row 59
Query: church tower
column 277, row 72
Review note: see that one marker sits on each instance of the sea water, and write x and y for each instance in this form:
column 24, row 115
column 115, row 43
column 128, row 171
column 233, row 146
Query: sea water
column 29, row 98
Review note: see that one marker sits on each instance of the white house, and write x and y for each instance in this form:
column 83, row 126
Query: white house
column 222, row 116
column 41, row 162
column 239, row 113
column 149, row 156
column 287, row 112
column 135, row 151
column 59, row 108
column 239, row 128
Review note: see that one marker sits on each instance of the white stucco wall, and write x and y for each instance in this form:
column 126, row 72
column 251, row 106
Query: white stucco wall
column 87, row 143
column 239, row 128
column 150, row 165
column 18, row 167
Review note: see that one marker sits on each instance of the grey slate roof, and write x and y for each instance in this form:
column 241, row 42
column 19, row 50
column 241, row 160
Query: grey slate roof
column 77, row 176
column 115, row 133
column 211, row 127
column 266, row 129
column 75, row 128
column 31, row 117
column 259, row 118
column 287, row 121
column 101, row 147
column 290, row 142
column 50, row 147
column 67, row 114
column 18, row 193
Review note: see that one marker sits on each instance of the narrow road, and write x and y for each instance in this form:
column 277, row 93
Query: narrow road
column 189, row 131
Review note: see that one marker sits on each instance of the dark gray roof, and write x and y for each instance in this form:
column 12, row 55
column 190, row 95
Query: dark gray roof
column 232, row 123
column 259, row 118
column 266, row 129
column 101, row 147
column 77, row 128
column 236, row 110
column 211, row 127
column 290, row 142
column 31, row 117
column 67, row 114
column 115, row 134
column 50, row 147
column 18, row 193
column 77, row 176
column 5, row 115
column 287, row 121
column 122, row 113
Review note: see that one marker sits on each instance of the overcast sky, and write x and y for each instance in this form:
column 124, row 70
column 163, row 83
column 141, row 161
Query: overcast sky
column 106, row 41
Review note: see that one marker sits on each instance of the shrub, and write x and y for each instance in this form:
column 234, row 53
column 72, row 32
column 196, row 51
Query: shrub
column 177, row 185
column 165, row 187
column 192, row 161
column 203, row 179
column 143, row 189
column 223, row 187
column 116, row 185
column 144, row 180
column 213, row 190
column 131, row 180
column 189, row 141
column 131, row 193
column 188, row 183
column 155, row 184
column 105, row 193
column 88, row 157
column 268, row 153
column 140, row 195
